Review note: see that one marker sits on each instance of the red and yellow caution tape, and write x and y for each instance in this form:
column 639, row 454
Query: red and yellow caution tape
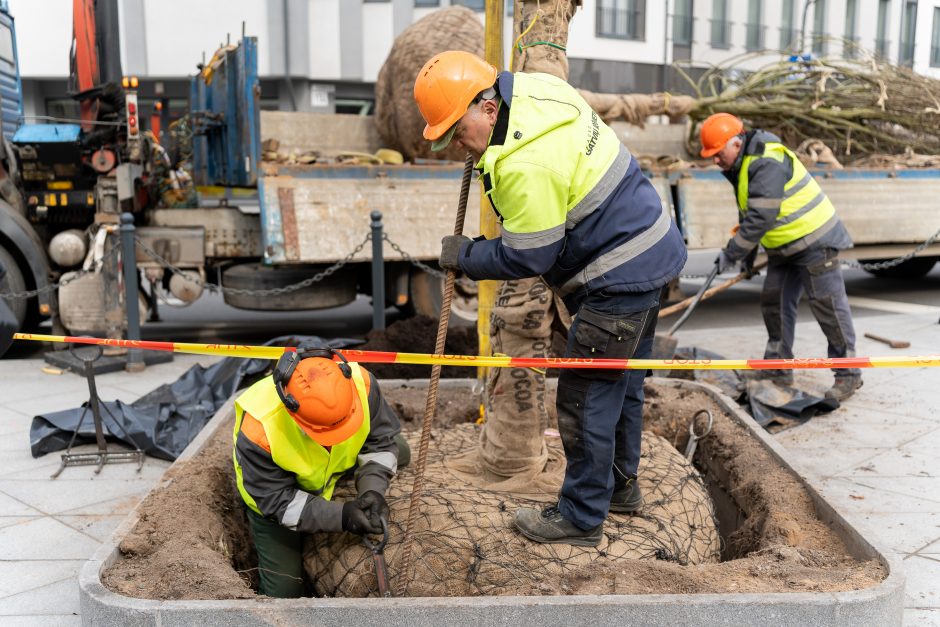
column 503, row 361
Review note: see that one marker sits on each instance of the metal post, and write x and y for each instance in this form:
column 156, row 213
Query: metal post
column 378, row 273
column 135, row 359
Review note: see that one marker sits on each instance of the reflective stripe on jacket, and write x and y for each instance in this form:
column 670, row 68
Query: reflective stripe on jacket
column 575, row 207
column 316, row 469
column 804, row 207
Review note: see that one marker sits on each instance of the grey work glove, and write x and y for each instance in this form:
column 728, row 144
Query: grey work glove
column 362, row 515
column 450, row 251
column 724, row 262
column 747, row 264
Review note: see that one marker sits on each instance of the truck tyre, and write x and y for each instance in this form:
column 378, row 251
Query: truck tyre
column 333, row 291
column 427, row 292
column 911, row 269
column 14, row 282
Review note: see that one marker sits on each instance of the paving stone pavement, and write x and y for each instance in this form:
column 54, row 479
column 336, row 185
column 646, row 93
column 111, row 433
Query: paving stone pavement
column 874, row 459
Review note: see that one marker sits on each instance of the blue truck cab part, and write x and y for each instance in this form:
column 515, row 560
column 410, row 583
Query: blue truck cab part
column 17, row 236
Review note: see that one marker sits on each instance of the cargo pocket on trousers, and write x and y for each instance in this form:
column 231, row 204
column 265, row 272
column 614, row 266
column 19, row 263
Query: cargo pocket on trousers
column 821, row 275
column 607, row 336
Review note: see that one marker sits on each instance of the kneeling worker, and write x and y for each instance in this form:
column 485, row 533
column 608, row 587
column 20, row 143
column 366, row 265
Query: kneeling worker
column 296, row 433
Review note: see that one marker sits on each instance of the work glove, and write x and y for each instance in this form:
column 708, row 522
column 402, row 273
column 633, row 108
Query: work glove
column 747, row 264
column 450, row 251
column 362, row 515
column 724, row 262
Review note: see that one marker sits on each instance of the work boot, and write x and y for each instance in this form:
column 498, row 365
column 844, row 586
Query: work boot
column 844, row 386
column 550, row 527
column 627, row 499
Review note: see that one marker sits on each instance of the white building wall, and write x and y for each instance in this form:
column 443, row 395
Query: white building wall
column 323, row 18
column 175, row 45
column 43, row 36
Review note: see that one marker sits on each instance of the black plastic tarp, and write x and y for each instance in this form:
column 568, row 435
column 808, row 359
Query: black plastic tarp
column 164, row 421
column 773, row 406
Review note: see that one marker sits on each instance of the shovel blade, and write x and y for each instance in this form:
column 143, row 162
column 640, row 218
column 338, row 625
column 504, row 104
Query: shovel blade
column 664, row 346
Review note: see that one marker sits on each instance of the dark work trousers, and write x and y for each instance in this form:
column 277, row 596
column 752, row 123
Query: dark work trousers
column 600, row 412
column 816, row 271
column 280, row 550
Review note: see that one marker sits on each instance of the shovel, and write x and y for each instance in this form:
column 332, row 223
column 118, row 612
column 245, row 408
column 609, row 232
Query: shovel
column 664, row 346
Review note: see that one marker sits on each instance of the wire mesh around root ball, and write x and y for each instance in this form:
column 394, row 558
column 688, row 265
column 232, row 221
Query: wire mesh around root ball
column 465, row 543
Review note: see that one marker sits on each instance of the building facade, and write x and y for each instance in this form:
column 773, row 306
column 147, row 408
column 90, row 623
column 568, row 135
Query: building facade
column 325, row 55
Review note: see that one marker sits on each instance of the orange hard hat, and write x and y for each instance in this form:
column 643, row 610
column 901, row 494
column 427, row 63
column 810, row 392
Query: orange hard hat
column 320, row 396
column 716, row 130
column 447, row 85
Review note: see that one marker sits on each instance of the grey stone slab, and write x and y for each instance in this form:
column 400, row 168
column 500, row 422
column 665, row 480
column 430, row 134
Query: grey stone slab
column 43, row 620
column 42, row 539
column 878, row 495
column 15, row 507
column 99, row 526
column 9, row 521
column 64, row 400
column 902, row 532
column 60, row 597
column 74, row 490
column 932, row 549
column 928, row 617
column 928, row 443
column 24, row 575
column 922, row 589
column 826, row 460
column 896, row 462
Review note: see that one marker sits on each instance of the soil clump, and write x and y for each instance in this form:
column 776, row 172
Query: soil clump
column 418, row 334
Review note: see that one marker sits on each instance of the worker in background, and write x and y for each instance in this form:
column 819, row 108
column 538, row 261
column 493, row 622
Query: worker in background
column 576, row 209
column 782, row 208
column 296, row 433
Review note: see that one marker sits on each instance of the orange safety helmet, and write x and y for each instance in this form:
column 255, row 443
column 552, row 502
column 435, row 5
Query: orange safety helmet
column 716, row 130
column 319, row 394
column 447, row 85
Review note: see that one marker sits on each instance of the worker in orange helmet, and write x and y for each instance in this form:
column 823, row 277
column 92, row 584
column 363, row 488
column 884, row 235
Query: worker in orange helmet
column 297, row 432
column 576, row 210
column 782, row 208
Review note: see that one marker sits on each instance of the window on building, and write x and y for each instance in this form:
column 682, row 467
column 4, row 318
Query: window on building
column 850, row 48
column 935, row 39
column 6, row 44
column 819, row 27
column 427, row 3
column 682, row 23
column 621, row 19
column 787, row 34
column 476, row 5
column 908, row 26
column 720, row 26
column 884, row 16
column 755, row 28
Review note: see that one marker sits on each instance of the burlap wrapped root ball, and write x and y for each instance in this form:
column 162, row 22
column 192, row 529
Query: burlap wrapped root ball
column 397, row 118
column 465, row 543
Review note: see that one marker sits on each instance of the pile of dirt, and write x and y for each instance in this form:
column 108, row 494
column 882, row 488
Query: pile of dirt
column 192, row 539
column 418, row 334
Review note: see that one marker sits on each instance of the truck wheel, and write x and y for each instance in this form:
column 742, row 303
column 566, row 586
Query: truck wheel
column 334, row 290
column 911, row 269
column 427, row 292
column 14, row 282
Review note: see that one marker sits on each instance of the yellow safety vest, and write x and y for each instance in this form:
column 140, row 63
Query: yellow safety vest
column 804, row 208
column 316, row 468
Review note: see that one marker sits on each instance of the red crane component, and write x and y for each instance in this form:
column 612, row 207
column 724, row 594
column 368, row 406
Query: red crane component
column 85, row 72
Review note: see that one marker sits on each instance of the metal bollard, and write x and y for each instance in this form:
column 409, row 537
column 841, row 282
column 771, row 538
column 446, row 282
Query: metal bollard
column 378, row 273
column 135, row 359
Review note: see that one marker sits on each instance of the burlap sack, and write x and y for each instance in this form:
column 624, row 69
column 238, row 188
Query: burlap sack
column 397, row 118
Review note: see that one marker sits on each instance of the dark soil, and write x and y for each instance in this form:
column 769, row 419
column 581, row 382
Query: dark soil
column 192, row 542
column 418, row 334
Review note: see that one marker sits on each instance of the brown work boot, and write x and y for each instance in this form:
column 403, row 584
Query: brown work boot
column 777, row 377
column 548, row 526
column 844, row 386
column 628, row 499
